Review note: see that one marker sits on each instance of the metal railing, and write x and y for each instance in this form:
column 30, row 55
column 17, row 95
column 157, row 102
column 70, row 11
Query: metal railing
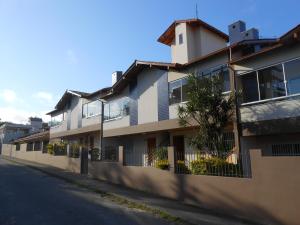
column 157, row 157
column 286, row 149
column 74, row 151
column 212, row 163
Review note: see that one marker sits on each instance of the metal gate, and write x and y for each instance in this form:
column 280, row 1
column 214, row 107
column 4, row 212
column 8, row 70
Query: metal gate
column 84, row 165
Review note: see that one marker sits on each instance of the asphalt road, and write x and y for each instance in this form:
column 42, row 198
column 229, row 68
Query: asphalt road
column 29, row 197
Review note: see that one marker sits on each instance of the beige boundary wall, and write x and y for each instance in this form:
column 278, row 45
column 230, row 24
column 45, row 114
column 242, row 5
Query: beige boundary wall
column 62, row 162
column 271, row 195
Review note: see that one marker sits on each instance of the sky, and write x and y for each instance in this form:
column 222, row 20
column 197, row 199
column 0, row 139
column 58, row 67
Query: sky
column 48, row 46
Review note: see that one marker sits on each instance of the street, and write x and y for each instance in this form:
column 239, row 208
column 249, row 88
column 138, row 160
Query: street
column 29, row 197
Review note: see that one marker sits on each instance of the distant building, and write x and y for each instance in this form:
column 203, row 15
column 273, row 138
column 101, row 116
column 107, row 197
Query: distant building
column 12, row 131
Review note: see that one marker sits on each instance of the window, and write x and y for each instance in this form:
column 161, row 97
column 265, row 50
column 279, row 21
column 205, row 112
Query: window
column 223, row 73
column 184, row 90
column 91, row 109
column 249, row 87
column 29, row 146
column 37, row 146
column 110, row 153
column 175, row 92
column 178, row 88
column 271, row 82
column 18, row 147
column 116, row 109
column 56, row 120
column 292, row 74
column 180, row 39
column 85, row 111
column 274, row 82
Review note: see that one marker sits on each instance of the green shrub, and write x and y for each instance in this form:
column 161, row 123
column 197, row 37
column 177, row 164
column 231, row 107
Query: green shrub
column 60, row 148
column 95, row 155
column 162, row 164
column 161, row 153
column 50, row 149
column 199, row 167
column 214, row 166
column 181, row 167
column 74, row 150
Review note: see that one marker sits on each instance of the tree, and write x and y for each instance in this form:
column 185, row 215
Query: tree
column 208, row 110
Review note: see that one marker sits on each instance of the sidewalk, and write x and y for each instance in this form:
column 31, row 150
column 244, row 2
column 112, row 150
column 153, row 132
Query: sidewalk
column 170, row 209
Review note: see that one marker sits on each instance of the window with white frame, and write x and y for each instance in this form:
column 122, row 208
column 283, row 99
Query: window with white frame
column 91, row 109
column 116, row 109
column 272, row 82
column 178, row 88
column 292, row 75
column 57, row 120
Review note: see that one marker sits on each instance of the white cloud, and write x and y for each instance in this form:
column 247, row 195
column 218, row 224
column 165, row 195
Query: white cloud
column 16, row 115
column 8, row 95
column 44, row 96
column 71, row 57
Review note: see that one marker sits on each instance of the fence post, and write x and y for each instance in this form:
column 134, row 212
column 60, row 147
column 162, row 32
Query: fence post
column 171, row 159
column 121, row 155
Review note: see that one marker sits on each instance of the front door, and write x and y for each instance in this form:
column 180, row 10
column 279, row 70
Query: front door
column 151, row 145
column 178, row 143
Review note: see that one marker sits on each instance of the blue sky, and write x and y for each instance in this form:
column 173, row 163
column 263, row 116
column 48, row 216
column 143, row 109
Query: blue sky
column 48, row 46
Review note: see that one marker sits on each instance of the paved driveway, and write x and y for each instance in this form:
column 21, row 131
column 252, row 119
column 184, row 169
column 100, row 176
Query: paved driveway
column 29, row 197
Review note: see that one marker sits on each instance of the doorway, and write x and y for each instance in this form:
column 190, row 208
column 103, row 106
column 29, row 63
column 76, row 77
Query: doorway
column 151, row 145
column 178, row 143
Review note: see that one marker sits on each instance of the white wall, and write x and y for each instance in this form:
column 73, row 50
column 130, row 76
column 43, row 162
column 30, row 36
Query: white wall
column 179, row 53
column 197, row 42
column 63, row 162
column 148, row 99
column 270, row 110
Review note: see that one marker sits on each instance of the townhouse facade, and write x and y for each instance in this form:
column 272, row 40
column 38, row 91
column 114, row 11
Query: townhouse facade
column 11, row 131
column 138, row 115
column 140, row 108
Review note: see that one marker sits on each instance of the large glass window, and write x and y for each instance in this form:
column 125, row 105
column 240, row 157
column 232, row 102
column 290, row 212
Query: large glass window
column 178, row 88
column 249, row 88
column 91, row 109
column 184, row 90
column 271, row 82
column 57, row 120
column 175, row 92
column 223, row 73
column 85, row 111
column 116, row 109
column 275, row 81
column 292, row 74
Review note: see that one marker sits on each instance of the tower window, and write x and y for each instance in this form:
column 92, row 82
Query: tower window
column 180, row 39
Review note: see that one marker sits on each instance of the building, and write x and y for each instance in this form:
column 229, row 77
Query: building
column 140, row 109
column 11, row 131
column 137, row 117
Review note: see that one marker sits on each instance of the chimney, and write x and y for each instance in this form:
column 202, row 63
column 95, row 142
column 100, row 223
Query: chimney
column 237, row 32
column 36, row 123
column 115, row 77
